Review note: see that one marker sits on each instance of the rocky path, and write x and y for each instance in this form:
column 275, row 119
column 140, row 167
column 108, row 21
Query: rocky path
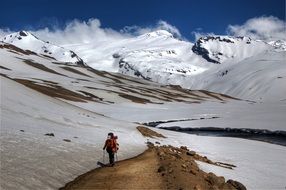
column 162, row 167
column 136, row 173
column 159, row 167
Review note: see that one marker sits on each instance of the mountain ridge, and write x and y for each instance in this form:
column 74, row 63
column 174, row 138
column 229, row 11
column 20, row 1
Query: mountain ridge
column 159, row 57
column 28, row 41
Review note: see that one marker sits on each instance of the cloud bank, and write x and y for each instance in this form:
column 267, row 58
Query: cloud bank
column 160, row 25
column 266, row 28
column 77, row 32
column 91, row 31
column 263, row 28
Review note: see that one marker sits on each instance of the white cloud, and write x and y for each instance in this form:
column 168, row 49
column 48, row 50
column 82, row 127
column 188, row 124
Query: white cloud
column 160, row 25
column 4, row 32
column 163, row 25
column 77, row 31
column 80, row 32
column 264, row 28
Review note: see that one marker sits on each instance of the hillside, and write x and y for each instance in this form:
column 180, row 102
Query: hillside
column 212, row 63
column 55, row 115
column 30, row 42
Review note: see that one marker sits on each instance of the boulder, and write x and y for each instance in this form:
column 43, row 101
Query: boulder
column 237, row 185
column 184, row 148
column 191, row 153
column 211, row 178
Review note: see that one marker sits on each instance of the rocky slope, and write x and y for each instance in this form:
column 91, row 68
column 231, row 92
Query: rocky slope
column 28, row 41
column 221, row 49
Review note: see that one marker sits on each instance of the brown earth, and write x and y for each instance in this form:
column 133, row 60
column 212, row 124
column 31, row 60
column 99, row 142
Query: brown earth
column 146, row 132
column 163, row 167
column 16, row 50
column 54, row 91
column 159, row 167
column 137, row 173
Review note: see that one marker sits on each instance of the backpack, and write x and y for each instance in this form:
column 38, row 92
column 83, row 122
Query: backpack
column 111, row 144
column 115, row 142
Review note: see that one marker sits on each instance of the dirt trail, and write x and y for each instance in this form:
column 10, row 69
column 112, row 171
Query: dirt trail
column 159, row 167
column 136, row 173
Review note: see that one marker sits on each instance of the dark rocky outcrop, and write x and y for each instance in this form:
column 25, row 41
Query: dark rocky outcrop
column 50, row 134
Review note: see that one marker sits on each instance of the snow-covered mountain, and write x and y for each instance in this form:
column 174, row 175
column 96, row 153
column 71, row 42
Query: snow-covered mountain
column 278, row 44
column 236, row 66
column 220, row 49
column 28, row 41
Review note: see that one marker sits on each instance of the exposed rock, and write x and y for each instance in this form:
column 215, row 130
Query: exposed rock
column 116, row 55
column 130, row 68
column 201, row 47
column 23, row 33
column 149, row 144
column 203, row 52
column 237, row 185
column 184, row 148
column 191, row 153
column 194, row 172
column 220, row 180
column 184, row 166
column 50, row 134
column 211, row 178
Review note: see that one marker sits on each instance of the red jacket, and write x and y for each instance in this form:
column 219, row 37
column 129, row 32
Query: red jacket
column 111, row 145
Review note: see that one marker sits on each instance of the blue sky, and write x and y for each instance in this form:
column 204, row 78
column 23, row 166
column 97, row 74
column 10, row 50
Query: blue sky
column 208, row 16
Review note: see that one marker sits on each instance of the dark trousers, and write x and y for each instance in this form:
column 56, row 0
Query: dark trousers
column 111, row 156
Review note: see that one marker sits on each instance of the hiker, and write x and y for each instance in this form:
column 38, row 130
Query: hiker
column 111, row 147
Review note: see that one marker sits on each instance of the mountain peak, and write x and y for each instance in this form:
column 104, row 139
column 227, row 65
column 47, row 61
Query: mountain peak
column 24, row 33
column 226, row 39
column 218, row 49
column 28, row 41
column 16, row 36
column 158, row 33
